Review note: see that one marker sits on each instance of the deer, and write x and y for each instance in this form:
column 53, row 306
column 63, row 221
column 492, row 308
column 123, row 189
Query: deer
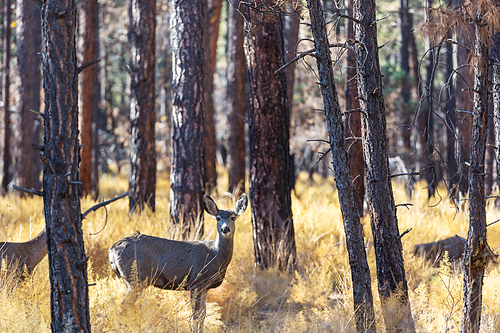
column 25, row 254
column 196, row 266
column 434, row 251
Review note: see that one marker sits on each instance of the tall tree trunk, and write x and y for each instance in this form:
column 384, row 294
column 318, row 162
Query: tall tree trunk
column 495, row 60
column 88, row 87
column 187, row 176
column 69, row 302
column 28, row 166
column 236, row 98
column 477, row 250
column 142, row 184
column 360, row 272
column 96, row 112
column 269, row 134
column 451, row 131
column 386, row 238
column 7, row 159
column 404, row 51
column 211, row 34
column 353, row 121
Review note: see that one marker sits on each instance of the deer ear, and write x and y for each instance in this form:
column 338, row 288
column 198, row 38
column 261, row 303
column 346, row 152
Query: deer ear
column 241, row 205
column 210, row 205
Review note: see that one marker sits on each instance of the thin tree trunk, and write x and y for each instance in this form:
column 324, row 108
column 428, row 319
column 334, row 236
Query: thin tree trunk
column 69, row 303
column 353, row 121
column 476, row 249
column 360, row 272
column 96, row 116
column 7, row 159
column 404, row 50
column 90, row 49
column 187, row 176
column 495, row 60
column 388, row 248
column 142, row 184
column 211, row 34
column 236, row 99
column 451, row 131
column 28, row 166
column 269, row 134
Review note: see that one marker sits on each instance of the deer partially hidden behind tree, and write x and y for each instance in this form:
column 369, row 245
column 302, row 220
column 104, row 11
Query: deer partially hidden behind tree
column 26, row 254
column 196, row 266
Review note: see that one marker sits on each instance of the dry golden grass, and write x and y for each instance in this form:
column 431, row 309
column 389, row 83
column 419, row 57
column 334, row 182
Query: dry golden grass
column 317, row 299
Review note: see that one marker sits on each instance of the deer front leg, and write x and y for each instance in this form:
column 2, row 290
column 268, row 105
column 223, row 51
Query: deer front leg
column 198, row 303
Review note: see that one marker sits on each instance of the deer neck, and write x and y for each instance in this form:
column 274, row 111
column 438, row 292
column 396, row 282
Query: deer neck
column 224, row 249
column 38, row 246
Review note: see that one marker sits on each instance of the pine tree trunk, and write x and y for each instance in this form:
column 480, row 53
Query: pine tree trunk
column 388, row 247
column 269, row 134
column 451, row 130
column 495, row 60
column 476, row 249
column 404, row 50
column 187, row 176
column 142, row 184
column 211, row 34
column 236, row 99
column 353, row 122
column 7, row 159
column 90, row 50
column 28, row 166
column 360, row 272
column 69, row 302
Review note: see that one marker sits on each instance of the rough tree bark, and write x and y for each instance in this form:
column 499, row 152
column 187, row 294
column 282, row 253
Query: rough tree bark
column 69, row 302
column 387, row 241
column 269, row 134
column 477, row 251
column 353, row 121
column 6, row 152
column 404, row 51
column 495, row 60
column 188, row 116
column 451, row 132
column 29, row 39
column 360, row 272
column 142, row 184
column 88, row 87
column 211, row 34
column 236, row 99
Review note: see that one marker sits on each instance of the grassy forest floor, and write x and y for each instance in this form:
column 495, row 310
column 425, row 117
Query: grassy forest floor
column 317, row 299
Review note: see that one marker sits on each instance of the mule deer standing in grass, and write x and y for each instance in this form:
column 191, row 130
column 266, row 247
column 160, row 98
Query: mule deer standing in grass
column 27, row 254
column 176, row 265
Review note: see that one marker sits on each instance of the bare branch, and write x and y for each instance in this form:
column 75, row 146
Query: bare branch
column 405, row 232
column 245, row 120
column 318, row 140
column 489, row 224
column 22, row 189
column 461, row 238
column 406, row 204
column 323, row 155
column 380, row 19
column 416, row 173
column 355, row 110
column 38, row 113
column 102, row 204
column 88, row 64
column 347, row 17
column 451, row 41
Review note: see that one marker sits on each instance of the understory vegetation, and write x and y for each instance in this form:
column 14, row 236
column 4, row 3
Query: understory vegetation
column 317, row 298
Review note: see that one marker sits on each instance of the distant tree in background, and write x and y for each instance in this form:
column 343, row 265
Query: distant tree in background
column 211, row 35
column 387, row 241
column 269, row 134
column 69, row 302
column 6, row 148
column 28, row 124
column 495, row 60
column 236, row 99
column 90, row 96
column 187, row 176
column 142, row 184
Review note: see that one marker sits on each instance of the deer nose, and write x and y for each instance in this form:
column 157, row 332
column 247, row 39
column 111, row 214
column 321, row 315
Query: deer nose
column 225, row 229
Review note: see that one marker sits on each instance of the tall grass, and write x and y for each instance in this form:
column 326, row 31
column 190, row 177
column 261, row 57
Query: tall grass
column 317, row 298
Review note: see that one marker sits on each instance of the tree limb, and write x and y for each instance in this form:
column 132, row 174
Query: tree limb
column 88, row 64
column 22, row 189
column 102, row 204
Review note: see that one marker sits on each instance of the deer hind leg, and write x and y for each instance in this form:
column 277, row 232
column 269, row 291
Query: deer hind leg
column 198, row 303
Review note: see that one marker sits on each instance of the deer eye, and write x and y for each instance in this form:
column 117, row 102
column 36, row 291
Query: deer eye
column 218, row 218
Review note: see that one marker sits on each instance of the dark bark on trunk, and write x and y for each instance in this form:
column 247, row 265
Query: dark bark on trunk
column 495, row 59
column 7, row 158
column 290, row 36
column 211, row 34
column 269, row 134
column 29, row 32
column 69, row 302
column 489, row 155
column 353, row 122
column 360, row 272
column 187, row 177
column 236, row 99
column 142, row 184
column 414, row 64
column 88, row 86
column 388, row 247
column 476, row 250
